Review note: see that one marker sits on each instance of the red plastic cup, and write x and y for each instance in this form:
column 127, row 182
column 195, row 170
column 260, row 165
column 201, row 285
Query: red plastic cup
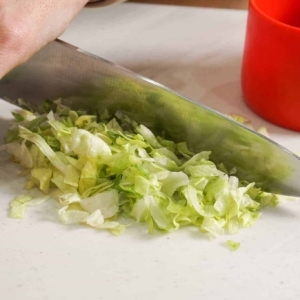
column 271, row 63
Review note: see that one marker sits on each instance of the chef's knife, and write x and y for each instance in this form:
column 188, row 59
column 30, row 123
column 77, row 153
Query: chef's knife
column 85, row 81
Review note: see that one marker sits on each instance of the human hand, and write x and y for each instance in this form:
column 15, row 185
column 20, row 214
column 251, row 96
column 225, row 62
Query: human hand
column 28, row 25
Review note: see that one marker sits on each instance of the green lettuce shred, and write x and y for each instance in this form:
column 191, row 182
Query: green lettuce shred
column 232, row 245
column 18, row 206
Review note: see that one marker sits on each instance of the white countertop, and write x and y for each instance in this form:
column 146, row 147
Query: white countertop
column 196, row 52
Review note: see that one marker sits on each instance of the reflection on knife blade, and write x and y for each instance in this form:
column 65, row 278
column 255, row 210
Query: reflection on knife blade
column 87, row 82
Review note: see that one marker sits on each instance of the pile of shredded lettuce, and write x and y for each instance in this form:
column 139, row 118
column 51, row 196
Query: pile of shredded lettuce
column 101, row 167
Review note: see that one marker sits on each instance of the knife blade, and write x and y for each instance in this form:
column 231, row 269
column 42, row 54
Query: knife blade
column 85, row 81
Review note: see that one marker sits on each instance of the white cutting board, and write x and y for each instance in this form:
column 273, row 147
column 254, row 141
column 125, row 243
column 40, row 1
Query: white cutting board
column 197, row 52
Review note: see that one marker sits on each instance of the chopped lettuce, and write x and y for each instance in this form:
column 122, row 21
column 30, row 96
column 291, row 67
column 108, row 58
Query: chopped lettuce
column 18, row 206
column 232, row 245
column 102, row 167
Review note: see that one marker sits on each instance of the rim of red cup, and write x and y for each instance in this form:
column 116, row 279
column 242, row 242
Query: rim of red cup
column 279, row 23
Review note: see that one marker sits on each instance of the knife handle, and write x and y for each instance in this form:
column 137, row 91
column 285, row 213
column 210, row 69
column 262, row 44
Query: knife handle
column 97, row 3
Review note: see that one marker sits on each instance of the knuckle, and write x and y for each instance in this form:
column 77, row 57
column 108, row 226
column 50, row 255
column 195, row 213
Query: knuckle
column 15, row 36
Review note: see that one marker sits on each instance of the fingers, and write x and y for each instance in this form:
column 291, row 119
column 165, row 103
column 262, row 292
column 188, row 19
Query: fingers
column 28, row 25
column 15, row 43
